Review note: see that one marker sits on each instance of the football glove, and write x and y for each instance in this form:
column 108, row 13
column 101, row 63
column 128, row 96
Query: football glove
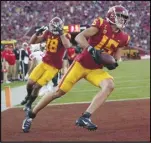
column 95, row 54
column 41, row 29
column 78, row 50
column 112, row 66
column 60, row 30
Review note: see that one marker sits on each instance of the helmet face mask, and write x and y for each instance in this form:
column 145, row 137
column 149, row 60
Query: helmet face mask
column 118, row 16
column 120, row 21
column 55, row 24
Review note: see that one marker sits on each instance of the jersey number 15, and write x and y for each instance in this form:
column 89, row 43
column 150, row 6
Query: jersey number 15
column 108, row 45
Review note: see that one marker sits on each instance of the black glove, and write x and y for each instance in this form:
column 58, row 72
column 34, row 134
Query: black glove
column 112, row 66
column 78, row 50
column 40, row 30
column 60, row 30
column 95, row 54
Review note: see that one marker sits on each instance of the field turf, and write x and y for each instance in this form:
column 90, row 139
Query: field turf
column 132, row 80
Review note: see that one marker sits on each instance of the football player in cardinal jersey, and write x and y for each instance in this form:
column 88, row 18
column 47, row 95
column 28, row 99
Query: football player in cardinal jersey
column 104, row 35
column 37, row 53
column 56, row 43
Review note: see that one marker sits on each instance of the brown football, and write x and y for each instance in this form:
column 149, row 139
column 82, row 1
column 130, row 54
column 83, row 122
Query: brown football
column 107, row 59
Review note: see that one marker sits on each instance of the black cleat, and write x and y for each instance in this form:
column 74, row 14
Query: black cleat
column 86, row 123
column 26, row 124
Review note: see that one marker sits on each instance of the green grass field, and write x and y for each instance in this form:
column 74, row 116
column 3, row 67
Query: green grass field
column 132, row 80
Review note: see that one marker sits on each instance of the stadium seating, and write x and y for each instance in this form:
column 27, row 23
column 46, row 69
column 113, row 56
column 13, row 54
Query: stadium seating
column 17, row 17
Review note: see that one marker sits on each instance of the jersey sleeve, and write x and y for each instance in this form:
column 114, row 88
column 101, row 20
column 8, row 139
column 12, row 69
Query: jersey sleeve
column 97, row 22
column 125, row 40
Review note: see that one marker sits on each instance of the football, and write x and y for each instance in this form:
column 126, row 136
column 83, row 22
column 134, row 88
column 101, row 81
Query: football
column 107, row 59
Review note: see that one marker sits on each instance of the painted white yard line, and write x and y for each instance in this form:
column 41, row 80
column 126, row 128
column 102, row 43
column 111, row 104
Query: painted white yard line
column 77, row 90
column 91, row 90
column 128, row 99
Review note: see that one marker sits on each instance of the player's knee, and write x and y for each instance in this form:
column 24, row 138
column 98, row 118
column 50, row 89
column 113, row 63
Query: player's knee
column 108, row 85
column 59, row 93
column 29, row 85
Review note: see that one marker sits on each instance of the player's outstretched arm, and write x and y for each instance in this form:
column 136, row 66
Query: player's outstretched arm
column 81, row 38
column 36, row 38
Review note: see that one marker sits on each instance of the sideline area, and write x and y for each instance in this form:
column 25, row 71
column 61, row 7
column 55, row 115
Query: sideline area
column 17, row 94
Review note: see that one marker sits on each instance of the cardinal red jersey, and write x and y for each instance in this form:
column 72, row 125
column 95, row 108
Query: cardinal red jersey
column 9, row 56
column 105, row 39
column 71, row 53
column 54, row 50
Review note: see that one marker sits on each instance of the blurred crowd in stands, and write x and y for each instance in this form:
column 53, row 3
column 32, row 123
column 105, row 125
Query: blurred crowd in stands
column 17, row 17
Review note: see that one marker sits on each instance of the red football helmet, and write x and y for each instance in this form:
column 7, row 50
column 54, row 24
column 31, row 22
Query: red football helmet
column 117, row 15
column 55, row 24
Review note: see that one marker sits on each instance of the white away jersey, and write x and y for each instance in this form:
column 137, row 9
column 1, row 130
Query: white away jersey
column 38, row 55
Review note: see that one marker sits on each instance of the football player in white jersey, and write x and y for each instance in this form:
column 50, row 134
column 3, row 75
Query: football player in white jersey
column 37, row 52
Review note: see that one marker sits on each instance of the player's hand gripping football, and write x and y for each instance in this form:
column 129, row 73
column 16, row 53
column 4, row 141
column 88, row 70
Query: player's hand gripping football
column 112, row 66
column 95, row 54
